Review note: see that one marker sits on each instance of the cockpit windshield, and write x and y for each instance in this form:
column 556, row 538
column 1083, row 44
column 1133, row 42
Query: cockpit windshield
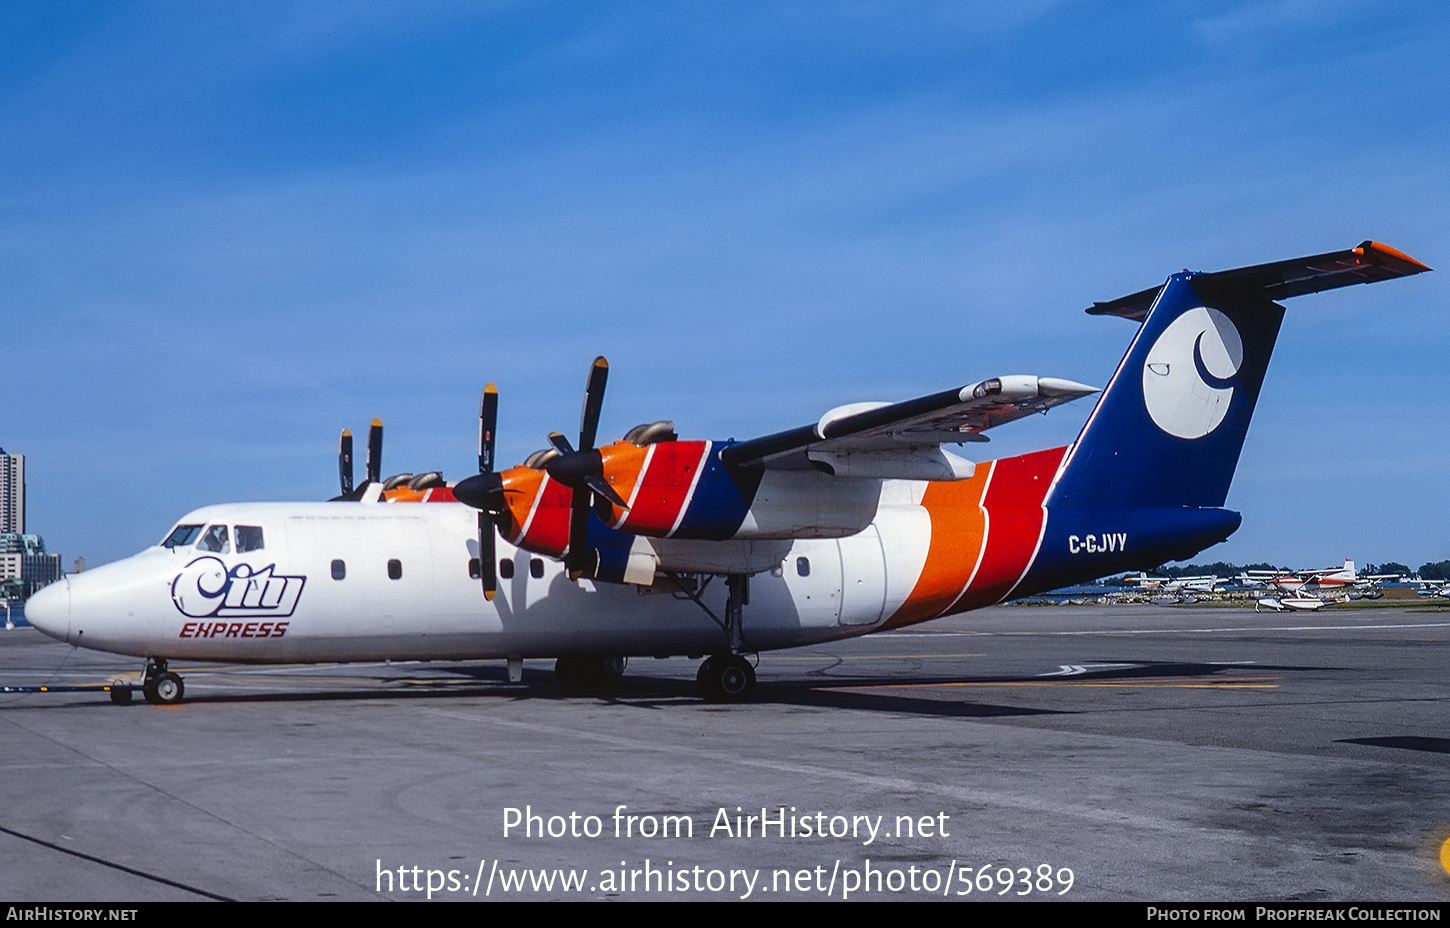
column 215, row 539
column 181, row 536
column 249, row 538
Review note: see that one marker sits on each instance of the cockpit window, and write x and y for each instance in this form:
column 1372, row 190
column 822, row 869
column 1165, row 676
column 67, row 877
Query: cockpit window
column 181, row 536
column 214, row 539
column 249, row 538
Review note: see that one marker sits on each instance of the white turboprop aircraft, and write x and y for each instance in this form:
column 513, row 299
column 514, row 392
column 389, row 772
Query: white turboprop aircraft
column 857, row 522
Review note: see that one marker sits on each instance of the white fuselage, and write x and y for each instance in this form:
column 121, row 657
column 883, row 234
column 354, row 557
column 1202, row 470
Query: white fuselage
column 362, row 582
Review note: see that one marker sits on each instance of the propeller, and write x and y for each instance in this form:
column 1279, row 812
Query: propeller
column 582, row 470
column 374, row 464
column 484, row 492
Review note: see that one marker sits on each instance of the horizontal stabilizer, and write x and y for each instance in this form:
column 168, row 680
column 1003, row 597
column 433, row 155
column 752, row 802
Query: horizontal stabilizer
column 1368, row 263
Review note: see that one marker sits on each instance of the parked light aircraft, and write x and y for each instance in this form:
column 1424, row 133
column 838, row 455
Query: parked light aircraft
column 1331, row 581
column 860, row 521
column 1314, row 589
column 1439, row 588
column 1205, row 583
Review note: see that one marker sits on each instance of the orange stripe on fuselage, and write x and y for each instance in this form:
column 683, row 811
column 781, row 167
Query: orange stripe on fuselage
column 958, row 525
column 980, row 547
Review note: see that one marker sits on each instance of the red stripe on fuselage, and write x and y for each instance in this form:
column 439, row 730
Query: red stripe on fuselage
column 1014, row 503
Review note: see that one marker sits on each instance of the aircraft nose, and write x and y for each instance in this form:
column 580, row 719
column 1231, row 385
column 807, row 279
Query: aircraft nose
column 48, row 610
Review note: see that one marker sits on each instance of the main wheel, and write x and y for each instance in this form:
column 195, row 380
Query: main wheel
column 726, row 678
column 164, row 689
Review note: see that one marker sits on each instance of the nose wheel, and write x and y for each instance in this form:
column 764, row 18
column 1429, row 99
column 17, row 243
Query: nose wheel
column 160, row 686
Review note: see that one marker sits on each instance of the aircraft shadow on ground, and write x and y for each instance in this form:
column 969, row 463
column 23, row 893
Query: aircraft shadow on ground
column 1404, row 742
column 867, row 692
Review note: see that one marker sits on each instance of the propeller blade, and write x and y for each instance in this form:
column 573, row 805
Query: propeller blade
column 487, row 423
column 577, row 560
column 375, row 451
column 487, row 555
column 601, row 487
column 593, row 403
column 484, row 492
column 583, row 471
column 560, row 443
column 344, row 461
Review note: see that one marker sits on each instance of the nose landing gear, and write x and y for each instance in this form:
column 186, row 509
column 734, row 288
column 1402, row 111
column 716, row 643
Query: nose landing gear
column 160, row 686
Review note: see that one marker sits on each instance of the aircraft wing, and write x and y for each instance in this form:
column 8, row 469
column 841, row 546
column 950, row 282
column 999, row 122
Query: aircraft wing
column 904, row 439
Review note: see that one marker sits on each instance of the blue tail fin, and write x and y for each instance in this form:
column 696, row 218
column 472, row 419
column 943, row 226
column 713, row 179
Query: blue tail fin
column 1146, row 480
column 1168, row 429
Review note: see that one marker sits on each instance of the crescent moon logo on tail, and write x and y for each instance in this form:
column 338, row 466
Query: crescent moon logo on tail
column 1190, row 373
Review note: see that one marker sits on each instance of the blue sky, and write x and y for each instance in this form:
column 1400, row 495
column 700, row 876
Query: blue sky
column 229, row 230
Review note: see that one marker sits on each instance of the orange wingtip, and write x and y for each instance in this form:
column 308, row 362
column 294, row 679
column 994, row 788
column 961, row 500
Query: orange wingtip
column 1392, row 253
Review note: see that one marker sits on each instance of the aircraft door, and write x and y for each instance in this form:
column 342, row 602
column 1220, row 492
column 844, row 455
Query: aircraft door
column 863, row 577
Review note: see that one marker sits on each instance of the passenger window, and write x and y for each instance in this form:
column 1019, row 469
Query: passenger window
column 181, row 536
column 803, row 566
column 215, row 540
column 249, row 538
column 536, row 568
column 395, row 569
column 339, row 569
column 506, row 568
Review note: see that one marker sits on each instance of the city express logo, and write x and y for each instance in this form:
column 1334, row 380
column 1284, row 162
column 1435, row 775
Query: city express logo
column 205, row 588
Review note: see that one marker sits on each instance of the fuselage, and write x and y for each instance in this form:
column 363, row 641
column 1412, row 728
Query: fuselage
column 358, row 582
column 353, row 581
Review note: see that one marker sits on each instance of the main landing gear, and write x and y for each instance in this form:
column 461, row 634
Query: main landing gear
column 727, row 677
column 160, row 686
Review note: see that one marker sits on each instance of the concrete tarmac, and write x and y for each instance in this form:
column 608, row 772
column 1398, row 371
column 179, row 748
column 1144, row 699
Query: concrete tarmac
column 1131, row 753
